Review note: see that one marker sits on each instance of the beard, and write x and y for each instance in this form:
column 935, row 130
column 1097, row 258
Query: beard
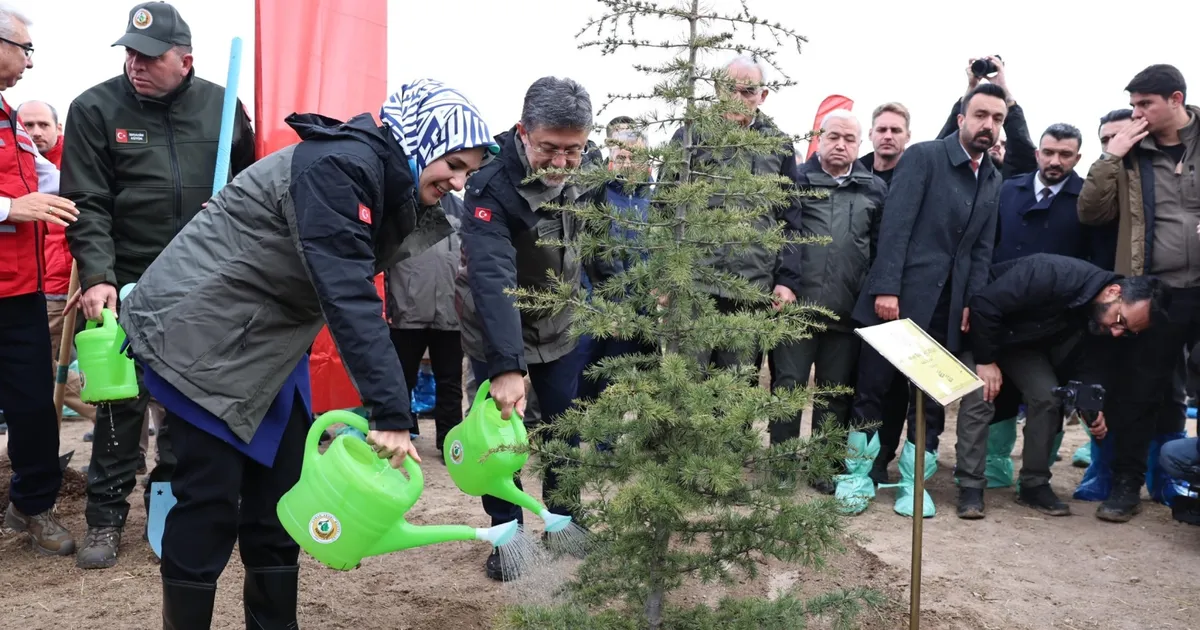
column 1052, row 177
column 1095, row 320
column 982, row 141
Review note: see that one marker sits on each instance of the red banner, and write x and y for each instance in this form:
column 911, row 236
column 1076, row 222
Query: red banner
column 835, row 101
column 330, row 58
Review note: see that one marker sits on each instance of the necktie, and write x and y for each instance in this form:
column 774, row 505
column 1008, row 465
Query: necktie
column 1047, row 193
column 975, row 166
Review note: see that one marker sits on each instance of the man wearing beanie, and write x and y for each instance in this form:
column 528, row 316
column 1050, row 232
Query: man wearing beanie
column 138, row 162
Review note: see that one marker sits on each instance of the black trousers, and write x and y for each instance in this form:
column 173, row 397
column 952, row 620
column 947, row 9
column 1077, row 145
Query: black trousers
column 724, row 358
column 1141, row 398
column 223, row 497
column 835, row 354
column 876, row 377
column 27, row 399
column 446, row 359
column 116, row 453
column 556, row 384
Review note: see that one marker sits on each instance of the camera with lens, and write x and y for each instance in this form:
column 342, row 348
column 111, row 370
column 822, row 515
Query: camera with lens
column 1088, row 400
column 982, row 68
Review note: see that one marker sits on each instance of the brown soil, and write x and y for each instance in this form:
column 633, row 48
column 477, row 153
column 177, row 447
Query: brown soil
column 1015, row 570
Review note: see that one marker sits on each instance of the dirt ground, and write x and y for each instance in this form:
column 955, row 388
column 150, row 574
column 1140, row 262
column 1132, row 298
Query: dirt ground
column 1015, row 570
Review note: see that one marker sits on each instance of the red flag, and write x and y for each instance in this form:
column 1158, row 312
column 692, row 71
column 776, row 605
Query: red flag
column 835, row 101
column 330, row 58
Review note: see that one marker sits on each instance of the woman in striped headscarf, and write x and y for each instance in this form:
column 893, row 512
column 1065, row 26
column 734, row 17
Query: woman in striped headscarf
column 222, row 322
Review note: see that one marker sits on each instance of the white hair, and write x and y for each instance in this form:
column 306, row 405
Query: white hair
column 841, row 114
column 746, row 61
column 9, row 17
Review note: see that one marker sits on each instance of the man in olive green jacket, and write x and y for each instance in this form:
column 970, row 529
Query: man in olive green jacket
column 1146, row 181
column 138, row 161
column 839, row 199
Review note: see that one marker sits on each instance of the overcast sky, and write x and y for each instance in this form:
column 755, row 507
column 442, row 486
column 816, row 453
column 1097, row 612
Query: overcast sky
column 1067, row 60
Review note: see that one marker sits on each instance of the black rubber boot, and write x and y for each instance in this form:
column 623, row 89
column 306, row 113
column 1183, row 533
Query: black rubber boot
column 187, row 605
column 879, row 471
column 1123, row 502
column 270, row 598
column 970, row 503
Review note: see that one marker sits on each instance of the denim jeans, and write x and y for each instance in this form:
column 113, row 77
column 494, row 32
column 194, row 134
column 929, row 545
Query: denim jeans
column 1180, row 460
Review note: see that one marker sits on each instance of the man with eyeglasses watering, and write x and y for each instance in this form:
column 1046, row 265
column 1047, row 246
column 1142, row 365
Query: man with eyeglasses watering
column 1032, row 322
column 504, row 221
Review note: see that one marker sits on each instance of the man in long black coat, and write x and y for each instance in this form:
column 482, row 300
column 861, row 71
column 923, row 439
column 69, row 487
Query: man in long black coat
column 935, row 248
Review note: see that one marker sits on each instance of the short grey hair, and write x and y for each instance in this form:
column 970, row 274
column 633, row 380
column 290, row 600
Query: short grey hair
column 9, row 16
column 841, row 114
column 747, row 61
column 53, row 112
column 556, row 103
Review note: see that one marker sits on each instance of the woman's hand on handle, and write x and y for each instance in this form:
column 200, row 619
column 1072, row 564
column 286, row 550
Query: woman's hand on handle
column 393, row 445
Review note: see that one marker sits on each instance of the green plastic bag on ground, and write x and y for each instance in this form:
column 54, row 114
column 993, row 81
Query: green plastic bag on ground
column 904, row 489
column 1002, row 437
column 1083, row 456
column 855, row 488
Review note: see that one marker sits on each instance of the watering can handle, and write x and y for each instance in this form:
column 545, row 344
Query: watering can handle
column 328, row 419
column 108, row 319
column 481, row 397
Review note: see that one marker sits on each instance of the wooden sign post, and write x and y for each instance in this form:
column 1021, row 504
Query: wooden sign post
column 937, row 374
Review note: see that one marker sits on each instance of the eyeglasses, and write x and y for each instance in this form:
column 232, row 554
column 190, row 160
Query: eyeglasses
column 28, row 48
column 749, row 91
column 570, row 154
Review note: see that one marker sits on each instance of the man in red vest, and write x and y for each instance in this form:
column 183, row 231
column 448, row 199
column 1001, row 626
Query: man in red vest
column 26, row 382
column 41, row 121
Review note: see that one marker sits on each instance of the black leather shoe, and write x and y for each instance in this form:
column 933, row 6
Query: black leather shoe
column 270, row 598
column 495, row 568
column 970, row 503
column 1043, row 499
column 824, row 486
column 187, row 605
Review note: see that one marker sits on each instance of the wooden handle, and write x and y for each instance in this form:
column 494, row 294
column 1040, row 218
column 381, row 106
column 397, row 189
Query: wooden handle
column 64, row 348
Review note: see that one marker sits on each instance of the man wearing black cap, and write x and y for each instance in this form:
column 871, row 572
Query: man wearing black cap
column 139, row 159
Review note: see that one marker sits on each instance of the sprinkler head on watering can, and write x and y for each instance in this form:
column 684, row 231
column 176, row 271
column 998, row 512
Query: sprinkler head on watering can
column 477, row 470
column 349, row 504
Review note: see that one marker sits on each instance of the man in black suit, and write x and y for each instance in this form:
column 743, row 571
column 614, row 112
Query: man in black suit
column 935, row 248
column 1012, row 152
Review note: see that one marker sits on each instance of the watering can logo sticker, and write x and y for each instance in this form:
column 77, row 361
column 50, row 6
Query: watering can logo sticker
column 324, row 527
column 456, row 452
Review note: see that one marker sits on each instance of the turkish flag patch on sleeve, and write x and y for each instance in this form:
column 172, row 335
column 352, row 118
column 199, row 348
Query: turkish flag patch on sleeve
column 364, row 214
column 483, row 214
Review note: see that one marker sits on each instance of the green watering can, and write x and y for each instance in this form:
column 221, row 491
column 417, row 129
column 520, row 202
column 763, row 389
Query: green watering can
column 106, row 372
column 349, row 504
column 481, row 431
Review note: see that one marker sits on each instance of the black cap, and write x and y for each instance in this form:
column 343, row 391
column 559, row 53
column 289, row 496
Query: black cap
column 154, row 28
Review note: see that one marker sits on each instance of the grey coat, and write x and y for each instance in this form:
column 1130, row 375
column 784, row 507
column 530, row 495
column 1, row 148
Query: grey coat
column 292, row 244
column 939, row 226
column 420, row 290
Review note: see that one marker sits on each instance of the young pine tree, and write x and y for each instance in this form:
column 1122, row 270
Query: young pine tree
column 689, row 489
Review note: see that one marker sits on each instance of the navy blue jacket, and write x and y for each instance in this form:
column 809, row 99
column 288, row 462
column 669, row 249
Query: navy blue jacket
column 1027, row 225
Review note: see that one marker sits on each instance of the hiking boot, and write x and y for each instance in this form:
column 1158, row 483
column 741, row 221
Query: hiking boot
column 1042, row 499
column 879, row 472
column 99, row 548
column 49, row 537
column 1123, row 502
column 495, row 568
column 970, row 503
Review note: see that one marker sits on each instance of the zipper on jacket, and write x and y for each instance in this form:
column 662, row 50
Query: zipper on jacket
column 177, row 177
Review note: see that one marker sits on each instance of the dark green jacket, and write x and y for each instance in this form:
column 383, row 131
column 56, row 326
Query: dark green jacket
column 754, row 263
column 138, row 169
column 850, row 214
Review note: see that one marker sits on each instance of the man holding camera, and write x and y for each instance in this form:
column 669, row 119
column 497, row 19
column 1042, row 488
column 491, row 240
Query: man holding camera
column 1013, row 151
column 1031, row 323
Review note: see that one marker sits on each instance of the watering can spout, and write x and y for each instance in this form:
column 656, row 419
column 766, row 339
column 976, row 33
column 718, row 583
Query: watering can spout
column 407, row 536
column 507, row 490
